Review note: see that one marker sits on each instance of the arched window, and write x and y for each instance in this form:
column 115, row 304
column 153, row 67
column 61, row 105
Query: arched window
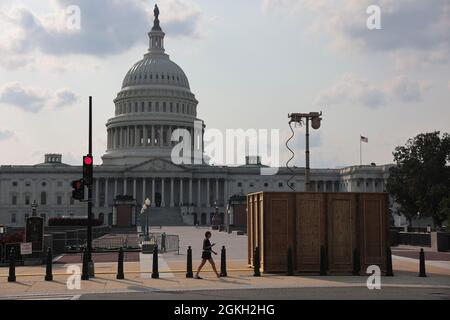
column 43, row 198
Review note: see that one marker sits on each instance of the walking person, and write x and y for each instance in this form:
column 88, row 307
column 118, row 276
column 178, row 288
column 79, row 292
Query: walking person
column 206, row 255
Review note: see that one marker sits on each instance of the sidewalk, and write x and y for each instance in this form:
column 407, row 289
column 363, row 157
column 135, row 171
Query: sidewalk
column 172, row 278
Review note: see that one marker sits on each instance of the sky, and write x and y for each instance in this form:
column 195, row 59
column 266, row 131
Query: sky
column 249, row 63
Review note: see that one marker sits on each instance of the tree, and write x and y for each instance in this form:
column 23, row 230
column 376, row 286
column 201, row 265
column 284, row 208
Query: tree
column 420, row 181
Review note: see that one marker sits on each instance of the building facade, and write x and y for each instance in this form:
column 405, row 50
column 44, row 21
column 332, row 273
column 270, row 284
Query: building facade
column 155, row 100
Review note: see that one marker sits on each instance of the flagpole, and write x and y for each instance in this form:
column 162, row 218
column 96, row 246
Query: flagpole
column 360, row 150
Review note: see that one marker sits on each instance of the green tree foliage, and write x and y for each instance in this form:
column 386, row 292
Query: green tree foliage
column 420, row 181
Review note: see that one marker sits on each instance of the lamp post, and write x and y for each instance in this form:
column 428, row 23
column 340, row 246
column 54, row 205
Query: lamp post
column 216, row 218
column 144, row 210
column 418, row 222
column 33, row 208
column 2, row 232
column 228, row 217
column 316, row 121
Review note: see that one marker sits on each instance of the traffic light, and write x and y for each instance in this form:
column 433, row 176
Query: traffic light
column 88, row 166
column 78, row 190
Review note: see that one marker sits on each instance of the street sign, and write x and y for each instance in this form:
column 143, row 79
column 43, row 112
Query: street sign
column 26, row 248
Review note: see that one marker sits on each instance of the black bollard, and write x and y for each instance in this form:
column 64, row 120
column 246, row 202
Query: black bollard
column 323, row 261
column 120, row 273
column 223, row 263
column 85, row 269
column 256, row 263
column 12, row 266
column 356, row 262
column 422, row 272
column 49, row 267
column 389, row 269
column 290, row 263
column 189, row 272
column 155, row 272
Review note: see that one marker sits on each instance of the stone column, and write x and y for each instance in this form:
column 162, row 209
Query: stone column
column 153, row 193
column 216, row 196
column 137, row 136
column 152, row 142
column 225, row 192
column 208, row 203
column 144, row 193
column 169, row 136
column 161, row 136
column 199, row 199
column 163, row 202
column 125, row 186
column 134, row 188
column 332, row 186
column 172, row 204
column 115, row 187
column 105, row 204
column 122, row 137
column 181, row 192
column 145, row 136
column 190, row 191
column 97, row 193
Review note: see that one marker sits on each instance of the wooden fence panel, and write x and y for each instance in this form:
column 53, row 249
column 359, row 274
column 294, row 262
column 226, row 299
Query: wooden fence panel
column 310, row 231
column 341, row 231
column 373, row 229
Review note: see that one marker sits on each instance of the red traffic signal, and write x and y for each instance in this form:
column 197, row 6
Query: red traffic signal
column 78, row 190
column 88, row 168
column 88, row 160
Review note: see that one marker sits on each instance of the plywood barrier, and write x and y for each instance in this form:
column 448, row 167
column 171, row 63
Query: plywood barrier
column 305, row 222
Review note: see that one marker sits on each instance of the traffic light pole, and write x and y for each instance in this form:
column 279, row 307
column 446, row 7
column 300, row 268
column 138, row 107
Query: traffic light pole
column 89, row 225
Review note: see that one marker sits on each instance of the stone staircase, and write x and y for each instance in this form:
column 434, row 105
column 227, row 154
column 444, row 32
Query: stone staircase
column 166, row 217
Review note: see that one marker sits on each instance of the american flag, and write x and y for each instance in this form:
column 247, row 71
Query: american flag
column 364, row 139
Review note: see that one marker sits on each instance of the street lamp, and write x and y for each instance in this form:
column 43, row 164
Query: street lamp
column 418, row 223
column 216, row 218
column 144, row 210
column 228, row 217
column 316, row 122
column 2, row 232
column 33, row 208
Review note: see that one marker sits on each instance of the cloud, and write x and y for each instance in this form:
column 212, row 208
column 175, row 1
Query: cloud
column 5, row 135
column 64, row 97
column 107, row 27
column 356, row 90
column 413, row 27
column 34, row 99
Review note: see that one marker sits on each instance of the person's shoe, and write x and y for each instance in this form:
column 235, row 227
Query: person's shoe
column 198, row 277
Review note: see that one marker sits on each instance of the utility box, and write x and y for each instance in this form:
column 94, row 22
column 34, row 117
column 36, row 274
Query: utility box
column 305, row 222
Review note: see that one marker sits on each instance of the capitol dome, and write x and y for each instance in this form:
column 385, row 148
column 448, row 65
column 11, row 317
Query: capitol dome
column 154, row 70
column 154, row 101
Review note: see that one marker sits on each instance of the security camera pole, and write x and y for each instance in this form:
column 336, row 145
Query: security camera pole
column 316, row 119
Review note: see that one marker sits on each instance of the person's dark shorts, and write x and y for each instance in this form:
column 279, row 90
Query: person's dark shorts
column 206, row 255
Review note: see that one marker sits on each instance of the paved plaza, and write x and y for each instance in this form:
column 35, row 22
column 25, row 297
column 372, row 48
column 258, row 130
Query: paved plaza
column 239, row 285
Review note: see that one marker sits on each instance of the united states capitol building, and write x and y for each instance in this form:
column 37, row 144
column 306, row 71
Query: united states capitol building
column 155, row 100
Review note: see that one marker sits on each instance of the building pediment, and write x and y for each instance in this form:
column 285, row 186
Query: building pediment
column 157, row 165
